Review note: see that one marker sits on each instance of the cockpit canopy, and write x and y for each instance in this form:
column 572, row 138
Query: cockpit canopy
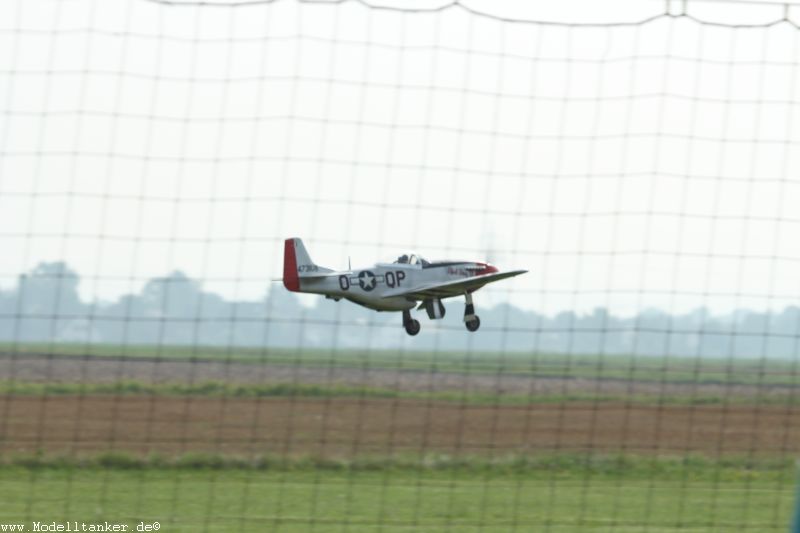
column 412, row 259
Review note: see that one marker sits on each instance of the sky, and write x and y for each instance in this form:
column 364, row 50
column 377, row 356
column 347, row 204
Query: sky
column 629, row 166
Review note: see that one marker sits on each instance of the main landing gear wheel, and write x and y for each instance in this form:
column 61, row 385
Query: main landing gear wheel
column 412, row 327
column 471, row 320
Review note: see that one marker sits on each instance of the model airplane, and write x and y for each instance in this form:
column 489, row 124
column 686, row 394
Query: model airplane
column 397, row 286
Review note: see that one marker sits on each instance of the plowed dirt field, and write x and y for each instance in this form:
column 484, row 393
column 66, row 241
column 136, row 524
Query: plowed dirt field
column 351, row 426
column 345, row 427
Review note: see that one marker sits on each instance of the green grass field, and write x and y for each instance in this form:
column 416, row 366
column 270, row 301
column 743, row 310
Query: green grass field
column 720, row 499
column 638, row 368
column 299, row 390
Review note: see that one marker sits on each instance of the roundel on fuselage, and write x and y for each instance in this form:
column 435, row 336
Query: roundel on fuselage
column 366, row 280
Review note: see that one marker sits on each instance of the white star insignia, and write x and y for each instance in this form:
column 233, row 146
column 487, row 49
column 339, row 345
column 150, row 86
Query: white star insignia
column 369, row 280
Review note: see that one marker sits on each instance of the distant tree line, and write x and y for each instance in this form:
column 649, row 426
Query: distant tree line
column 45, row 306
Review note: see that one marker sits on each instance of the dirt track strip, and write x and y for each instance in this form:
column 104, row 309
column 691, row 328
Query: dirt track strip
column 62, row 369
column 346, row 427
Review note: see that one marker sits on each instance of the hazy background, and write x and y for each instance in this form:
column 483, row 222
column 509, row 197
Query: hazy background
column 647, row 165
column 45, row 307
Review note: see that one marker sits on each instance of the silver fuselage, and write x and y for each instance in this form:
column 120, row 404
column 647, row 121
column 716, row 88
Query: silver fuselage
column 369, row 286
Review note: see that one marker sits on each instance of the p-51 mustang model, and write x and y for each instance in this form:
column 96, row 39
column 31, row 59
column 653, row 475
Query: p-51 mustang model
column 396, row 286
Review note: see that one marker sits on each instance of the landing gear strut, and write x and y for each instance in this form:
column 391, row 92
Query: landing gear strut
column 412, row 325
column 471, row 320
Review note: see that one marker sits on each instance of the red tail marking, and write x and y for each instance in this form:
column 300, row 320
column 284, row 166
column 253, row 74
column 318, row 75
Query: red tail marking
column 290, row 279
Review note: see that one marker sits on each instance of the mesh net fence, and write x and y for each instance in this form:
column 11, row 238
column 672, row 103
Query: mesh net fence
column 155, row 374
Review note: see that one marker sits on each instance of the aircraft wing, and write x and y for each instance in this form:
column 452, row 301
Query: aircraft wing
column 452, row 288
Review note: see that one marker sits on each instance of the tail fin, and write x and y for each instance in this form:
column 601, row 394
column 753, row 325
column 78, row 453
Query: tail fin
column 297, row 264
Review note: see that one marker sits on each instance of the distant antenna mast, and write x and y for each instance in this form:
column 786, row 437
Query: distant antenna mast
column 348, row 263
